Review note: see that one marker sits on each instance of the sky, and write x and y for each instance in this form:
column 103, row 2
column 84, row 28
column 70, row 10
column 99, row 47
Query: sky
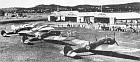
column 32, row 3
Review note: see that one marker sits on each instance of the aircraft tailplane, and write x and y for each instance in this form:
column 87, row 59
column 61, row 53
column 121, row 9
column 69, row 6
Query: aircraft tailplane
column 13, row 27
column 68, row 51
column 3, row 33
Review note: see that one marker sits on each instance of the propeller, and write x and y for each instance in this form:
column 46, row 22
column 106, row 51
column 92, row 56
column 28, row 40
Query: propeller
column 96, row 38
column 115, row 39
column 106, row 36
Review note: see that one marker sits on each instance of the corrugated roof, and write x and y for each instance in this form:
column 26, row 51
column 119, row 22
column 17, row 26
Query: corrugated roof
column 76, row 13
column 65, row 13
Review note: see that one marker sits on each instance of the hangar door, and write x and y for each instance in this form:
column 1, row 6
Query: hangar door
column 71, row 19
column 87, row 19
column 101, row 20
column 53, row 18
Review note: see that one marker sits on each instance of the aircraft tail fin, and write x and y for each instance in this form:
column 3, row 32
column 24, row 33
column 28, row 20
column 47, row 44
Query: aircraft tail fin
column 3, row 33
column 24, row 39
column 67, row 48
column 68, row 51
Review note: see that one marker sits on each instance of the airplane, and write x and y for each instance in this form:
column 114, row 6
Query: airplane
column 27, row 38
column 25, row 29
column 44, row 32
column 104, row 46
column 16, row 29
column 47, row 33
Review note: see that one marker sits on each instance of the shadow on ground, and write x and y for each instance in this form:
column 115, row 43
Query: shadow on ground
column 58, row 42
column 115, row 54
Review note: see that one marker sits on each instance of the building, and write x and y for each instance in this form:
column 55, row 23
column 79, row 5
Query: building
column 125, row 18
column 81, row 17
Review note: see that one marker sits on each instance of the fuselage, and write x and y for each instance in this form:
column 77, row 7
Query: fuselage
column 94, row 45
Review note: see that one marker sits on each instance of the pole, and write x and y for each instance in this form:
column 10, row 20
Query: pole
column 101, row 8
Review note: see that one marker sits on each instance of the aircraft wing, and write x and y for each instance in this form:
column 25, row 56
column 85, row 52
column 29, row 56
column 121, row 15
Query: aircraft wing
column 116, row 51
column 55, row 38
column 46, row 28
column 26, row 31
column 116, row 48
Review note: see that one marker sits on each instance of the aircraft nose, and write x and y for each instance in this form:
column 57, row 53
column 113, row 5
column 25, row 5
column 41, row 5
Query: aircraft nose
column 109, row 41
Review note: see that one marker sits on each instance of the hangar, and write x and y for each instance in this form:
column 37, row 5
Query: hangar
column 80, row 17
column 125, row 18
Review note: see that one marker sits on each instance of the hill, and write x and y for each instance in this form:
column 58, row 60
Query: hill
column 128, row 7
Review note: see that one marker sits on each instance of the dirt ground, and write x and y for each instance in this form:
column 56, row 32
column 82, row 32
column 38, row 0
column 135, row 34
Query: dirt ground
column 12, row 50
